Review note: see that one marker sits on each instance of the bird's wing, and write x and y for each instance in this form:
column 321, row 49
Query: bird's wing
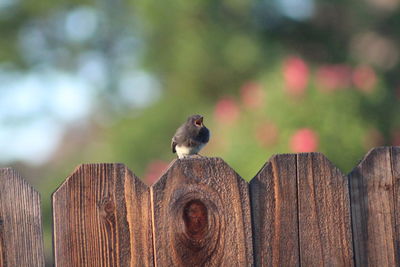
column 179, row 138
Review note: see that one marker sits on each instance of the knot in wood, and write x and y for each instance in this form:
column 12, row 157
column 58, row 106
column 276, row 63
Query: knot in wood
column 196, row 219
column 196, row 224
column 106, row 207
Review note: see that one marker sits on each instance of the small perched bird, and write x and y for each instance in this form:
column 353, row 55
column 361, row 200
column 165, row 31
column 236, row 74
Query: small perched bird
column 190, row 137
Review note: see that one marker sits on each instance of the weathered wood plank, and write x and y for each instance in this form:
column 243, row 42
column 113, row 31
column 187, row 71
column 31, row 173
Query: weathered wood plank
column 102, row 217
column 273, row 194
column 21, row 241
column 324, row 213
column 201, row 215
column 372, row 204
column 395, row 157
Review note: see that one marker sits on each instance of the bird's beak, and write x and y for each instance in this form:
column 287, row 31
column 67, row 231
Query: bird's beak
column 199, row 122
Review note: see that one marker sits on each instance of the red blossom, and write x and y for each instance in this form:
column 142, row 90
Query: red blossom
column 333, row 77
column 296, row 75
column 304, row 140
column 252, row 95
column 267, row 134
column 154, row 170
column 364, row 78
column 226, row 110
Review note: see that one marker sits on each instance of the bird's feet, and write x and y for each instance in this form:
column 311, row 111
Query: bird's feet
column 196, row 156
column 191, row 156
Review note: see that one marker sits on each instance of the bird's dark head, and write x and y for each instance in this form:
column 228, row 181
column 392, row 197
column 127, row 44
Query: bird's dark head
column 196, row 121
column 196, row 130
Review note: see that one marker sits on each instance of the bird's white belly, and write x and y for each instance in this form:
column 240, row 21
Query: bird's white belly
column 184, row 151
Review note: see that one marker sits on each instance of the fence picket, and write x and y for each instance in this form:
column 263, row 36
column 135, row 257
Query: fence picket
column 324, row 213
column 101, row 216
column 274, row 213
column 395, row 157
column 201, row 215
column 21, row 241
column 374, row 188
column 301, row 213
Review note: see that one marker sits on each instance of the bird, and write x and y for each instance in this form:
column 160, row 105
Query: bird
column 190, row 137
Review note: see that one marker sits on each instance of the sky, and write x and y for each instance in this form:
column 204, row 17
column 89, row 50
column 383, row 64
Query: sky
column 36, row 107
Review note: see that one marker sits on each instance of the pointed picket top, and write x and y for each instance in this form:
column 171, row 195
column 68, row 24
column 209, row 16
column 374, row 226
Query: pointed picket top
column 376, row 160
column 196, row 161
column 9, row 174
column 102, row 214
column 21, row 241
column 201, row 215
column 375, row 203
column 292, row 196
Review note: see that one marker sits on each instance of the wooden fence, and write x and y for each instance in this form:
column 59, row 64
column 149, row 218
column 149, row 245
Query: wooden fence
column 299, row 210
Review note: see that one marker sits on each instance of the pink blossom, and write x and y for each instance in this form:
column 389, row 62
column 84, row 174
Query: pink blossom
column 226, row 110
column 266, row 134
column 154, row 171
column 296, row 75
column 333, row 77
column 252, row 95
column 364, row 78
column 304, row 140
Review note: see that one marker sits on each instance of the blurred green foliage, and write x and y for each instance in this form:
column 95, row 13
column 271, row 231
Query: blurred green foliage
column 266, row 82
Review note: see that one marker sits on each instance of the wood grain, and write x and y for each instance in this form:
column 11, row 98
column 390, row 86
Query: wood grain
column 395, row 162
column 373, row 205
column 324, row 213
column 201, row 215
column 101, row 217
column 21, row 241
column 274, row 213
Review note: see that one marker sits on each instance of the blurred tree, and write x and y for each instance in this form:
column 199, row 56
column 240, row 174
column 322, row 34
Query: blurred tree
column 336, row 86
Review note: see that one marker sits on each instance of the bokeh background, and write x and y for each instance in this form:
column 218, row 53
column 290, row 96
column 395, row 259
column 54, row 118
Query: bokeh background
column 110, row 81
